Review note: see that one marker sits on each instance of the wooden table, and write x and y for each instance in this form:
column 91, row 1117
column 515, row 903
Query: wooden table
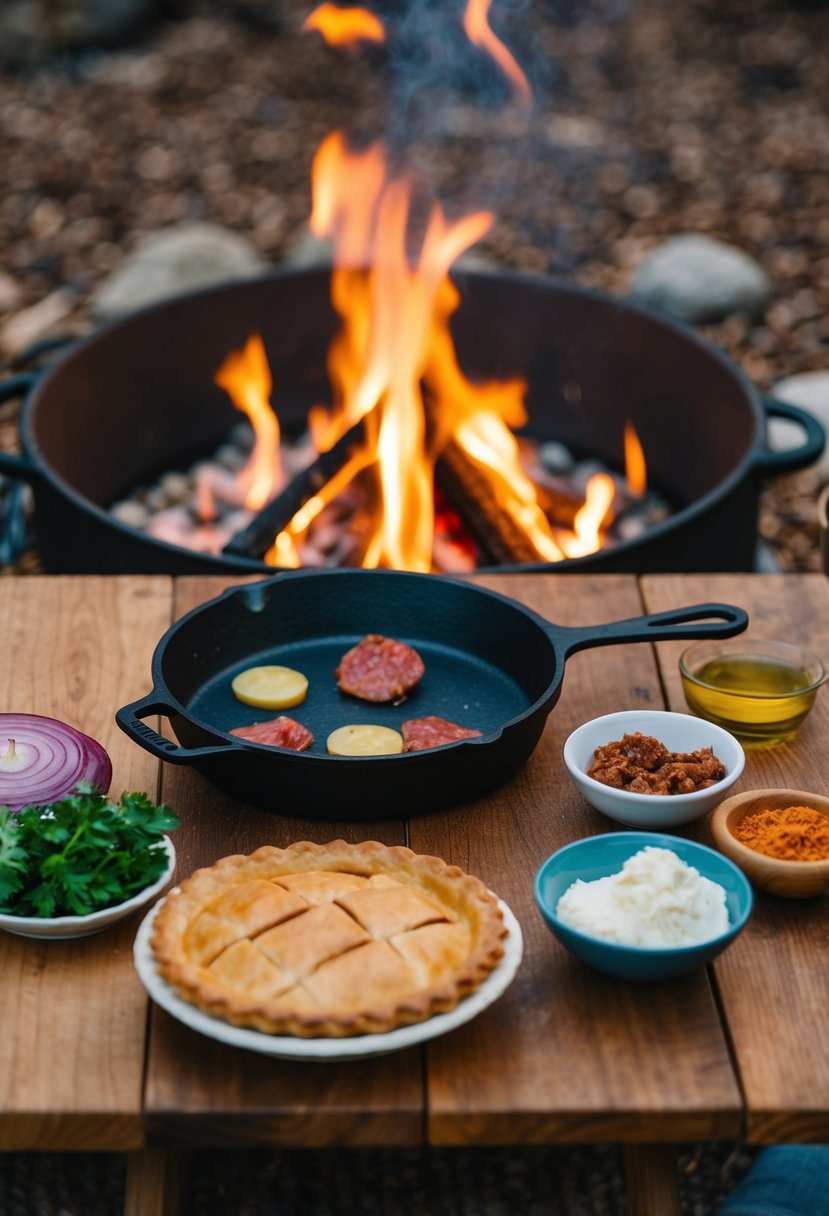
column 566, row 1056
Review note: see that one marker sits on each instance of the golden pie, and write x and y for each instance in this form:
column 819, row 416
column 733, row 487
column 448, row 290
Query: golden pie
column 328, row 940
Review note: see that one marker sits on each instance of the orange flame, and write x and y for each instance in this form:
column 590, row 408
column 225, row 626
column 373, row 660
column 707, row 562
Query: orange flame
column 480, row 34
column 345, row 26
column 636, row 472
column 394, row 344
column 478, row 417
column 377, row 360
column 246, row 378
column 587, row 526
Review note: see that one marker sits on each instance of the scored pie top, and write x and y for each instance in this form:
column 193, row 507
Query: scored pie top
column 328, row 940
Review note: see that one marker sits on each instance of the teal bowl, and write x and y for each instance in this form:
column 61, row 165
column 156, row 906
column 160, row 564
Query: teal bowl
column 600, row 856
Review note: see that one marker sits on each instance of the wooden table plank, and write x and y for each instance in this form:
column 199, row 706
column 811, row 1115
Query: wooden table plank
column 774, row 980
column 73, row 1013
column 591, row 1059
column 200, row 1091
column 567, row 1054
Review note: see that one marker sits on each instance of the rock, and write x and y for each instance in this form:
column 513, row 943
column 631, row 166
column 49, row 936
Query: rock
column 10, row 293
column 24, row 328
column 809, row 391
column 174, row 261
column 699, row 280
column 306, row 252
column 32, row 30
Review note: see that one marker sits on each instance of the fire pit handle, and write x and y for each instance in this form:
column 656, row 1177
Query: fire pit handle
column 773, row 463
column 16, row 467
column 14, row 470
column 693, row 622
column 129, row 718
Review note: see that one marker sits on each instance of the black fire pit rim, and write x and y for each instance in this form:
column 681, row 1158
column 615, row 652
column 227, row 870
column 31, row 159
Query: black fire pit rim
column 541, row 283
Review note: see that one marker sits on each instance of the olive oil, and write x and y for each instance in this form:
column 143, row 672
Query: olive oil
column 762, row 699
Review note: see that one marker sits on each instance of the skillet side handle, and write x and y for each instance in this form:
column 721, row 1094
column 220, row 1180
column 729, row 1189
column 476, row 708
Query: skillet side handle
column 712, row 621
column 129, row 718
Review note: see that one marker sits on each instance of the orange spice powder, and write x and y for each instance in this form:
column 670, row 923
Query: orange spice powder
column 795, row 833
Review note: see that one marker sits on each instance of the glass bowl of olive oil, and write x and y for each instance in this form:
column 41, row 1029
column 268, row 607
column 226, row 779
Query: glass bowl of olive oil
column 759, row 690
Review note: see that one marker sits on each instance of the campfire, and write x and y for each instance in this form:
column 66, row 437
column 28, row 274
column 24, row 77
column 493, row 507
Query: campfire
column 413, row 466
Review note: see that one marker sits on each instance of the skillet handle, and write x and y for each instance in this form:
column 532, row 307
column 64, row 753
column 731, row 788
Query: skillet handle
column 129, row 718
column 713, row 621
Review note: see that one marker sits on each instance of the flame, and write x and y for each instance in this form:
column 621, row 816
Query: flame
column 480, row 34
column 246, row 378
column 479, row 417
column 345, row 26
column 587, row 535
column 393, row 367
column 636, row 473
column 377, row 360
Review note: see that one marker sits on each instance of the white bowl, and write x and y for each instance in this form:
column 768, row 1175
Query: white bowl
column 679, row 733
column 94, row 922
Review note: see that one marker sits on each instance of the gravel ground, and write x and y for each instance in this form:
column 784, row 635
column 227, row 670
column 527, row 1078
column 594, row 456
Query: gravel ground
column 651, row 119
column 439, row 1182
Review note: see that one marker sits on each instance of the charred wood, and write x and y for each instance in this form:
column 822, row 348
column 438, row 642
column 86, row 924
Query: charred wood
column 254, row 540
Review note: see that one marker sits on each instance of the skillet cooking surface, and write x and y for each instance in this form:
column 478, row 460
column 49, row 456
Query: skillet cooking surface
column 487, row 662
column 457, row 686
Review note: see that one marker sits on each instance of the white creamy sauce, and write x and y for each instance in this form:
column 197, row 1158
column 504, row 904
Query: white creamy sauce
column 655, row 900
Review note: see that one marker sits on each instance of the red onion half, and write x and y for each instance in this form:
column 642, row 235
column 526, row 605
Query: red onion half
column 43, row 760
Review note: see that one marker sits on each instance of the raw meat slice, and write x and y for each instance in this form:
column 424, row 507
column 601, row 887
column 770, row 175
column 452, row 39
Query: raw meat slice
column 420, row 733
column 379, row 669
column 277, row 732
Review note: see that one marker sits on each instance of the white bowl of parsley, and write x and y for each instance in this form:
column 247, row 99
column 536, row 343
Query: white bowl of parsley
column 84, row 863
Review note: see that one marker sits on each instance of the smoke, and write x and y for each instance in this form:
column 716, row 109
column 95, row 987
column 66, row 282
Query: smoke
column 453, row 119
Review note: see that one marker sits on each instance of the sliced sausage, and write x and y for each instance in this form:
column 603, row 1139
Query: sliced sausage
column 420, row 733
column 277, row 732
column 379, row 669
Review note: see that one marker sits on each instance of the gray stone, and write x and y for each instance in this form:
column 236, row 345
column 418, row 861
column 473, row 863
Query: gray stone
column 697, row 280
column 32, row 30
column 10, row 293
column 174, row 261
column 809, row 391
column 307, row 252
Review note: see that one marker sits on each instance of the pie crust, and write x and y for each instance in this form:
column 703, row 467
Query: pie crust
column 328, row 940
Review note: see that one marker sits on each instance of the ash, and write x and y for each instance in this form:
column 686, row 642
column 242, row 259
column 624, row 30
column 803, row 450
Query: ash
column 201, row 508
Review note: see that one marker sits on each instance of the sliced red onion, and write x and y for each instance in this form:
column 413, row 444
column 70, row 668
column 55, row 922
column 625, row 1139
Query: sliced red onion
column 43, row 760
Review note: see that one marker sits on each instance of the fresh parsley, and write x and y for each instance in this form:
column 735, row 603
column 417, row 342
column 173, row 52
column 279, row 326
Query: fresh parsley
column 80, row 854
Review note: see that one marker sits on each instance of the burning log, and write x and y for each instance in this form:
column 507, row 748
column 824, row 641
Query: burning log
column 258, row 536
column 470, row 492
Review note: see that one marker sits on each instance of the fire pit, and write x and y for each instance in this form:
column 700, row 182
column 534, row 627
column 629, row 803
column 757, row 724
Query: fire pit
column 139, row 398
column 420, row 423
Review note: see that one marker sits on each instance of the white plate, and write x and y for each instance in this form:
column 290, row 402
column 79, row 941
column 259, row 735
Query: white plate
column 289, row 1047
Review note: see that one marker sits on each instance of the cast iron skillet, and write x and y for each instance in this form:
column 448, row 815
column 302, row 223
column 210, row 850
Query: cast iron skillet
column 491, row 664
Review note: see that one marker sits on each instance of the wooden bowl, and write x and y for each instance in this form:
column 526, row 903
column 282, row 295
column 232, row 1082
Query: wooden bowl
column 791, row 879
